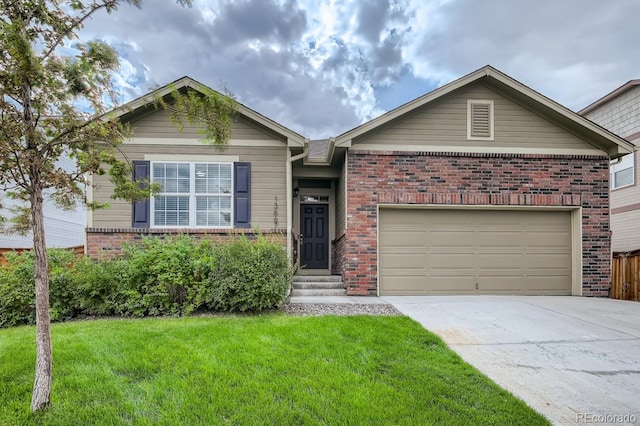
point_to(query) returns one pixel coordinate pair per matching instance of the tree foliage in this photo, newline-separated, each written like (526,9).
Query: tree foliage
(55,90)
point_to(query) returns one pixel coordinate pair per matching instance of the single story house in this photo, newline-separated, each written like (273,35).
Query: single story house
(619,112)
(483,186)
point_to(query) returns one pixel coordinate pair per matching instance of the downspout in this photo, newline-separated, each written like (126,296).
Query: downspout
(290,160)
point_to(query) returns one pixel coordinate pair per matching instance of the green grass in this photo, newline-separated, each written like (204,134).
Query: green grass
(271,369)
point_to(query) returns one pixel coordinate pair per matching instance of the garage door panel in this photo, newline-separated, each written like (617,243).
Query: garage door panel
(402,239)
(441,238)
(451,260)
(451,284)
(452,251)
(548,261)
(401,261)
(407,285)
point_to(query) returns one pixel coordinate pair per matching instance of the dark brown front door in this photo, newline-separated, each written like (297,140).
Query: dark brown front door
(314,241)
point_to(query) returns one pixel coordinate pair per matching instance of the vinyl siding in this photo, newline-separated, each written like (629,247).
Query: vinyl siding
(620,115)
(625,232)
(444,123)
(630,194)
(268,181)
(63,228)
(158,125)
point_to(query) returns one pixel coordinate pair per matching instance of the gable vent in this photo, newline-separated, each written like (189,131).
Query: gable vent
(479,120)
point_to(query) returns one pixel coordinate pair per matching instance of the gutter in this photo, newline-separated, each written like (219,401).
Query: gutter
(290,160)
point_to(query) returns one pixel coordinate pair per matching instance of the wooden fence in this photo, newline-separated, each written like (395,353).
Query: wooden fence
(625,276)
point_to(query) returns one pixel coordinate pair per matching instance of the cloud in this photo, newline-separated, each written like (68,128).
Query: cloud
(322,67)
(264,20)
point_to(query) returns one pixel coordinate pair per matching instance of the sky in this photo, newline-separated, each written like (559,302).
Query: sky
(322,67)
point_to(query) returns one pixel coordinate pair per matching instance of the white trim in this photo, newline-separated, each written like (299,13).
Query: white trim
(616,164)
(576,231)
(346,197)
(200,142)
(290,202)
(476,149)
(192,197)
(470,103)
(171,158)
(576,252)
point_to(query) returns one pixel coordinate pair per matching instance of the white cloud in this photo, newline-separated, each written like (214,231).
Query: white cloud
(324,66)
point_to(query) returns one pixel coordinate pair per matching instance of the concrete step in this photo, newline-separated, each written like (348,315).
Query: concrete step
(327,285)
(298,292)
(317,278)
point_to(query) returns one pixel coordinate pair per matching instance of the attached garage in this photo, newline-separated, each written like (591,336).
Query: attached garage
(474,251)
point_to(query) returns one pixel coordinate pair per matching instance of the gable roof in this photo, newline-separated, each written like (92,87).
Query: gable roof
(612,95)
(598,136)
(292,138)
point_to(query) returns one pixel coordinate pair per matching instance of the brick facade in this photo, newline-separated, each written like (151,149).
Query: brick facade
(376,177)
(106,243)
(338,256)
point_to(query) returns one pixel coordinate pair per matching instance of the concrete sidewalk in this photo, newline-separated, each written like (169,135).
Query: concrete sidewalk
(573,359)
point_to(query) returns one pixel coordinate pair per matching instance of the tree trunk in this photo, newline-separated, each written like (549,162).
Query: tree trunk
(44,354)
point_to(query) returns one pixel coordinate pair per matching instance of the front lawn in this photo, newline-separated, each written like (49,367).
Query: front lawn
(271,369)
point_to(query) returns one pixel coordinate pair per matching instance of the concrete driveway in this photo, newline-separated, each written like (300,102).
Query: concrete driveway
(573,359)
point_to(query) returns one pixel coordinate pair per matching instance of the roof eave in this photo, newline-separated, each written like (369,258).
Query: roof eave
(604,139)
(292,138)
(609,96)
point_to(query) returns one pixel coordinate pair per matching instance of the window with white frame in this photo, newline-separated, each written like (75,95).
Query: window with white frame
(622,172)
(192,194)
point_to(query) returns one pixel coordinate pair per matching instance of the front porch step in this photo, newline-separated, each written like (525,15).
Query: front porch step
(318,285)
(317,278)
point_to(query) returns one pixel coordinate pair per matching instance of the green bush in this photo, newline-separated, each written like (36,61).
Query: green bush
(99,286)
(250,276)
(163,276)
(174,276)
(17,287)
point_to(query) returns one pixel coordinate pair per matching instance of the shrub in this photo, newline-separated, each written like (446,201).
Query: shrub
(17,287)
(250,276)
(175,276)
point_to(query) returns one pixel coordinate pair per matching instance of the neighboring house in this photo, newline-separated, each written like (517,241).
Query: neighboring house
(482,186)
(619,112)
(63,228)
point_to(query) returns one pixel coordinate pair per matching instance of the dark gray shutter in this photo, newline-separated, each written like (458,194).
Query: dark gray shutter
(242,195)
(140,213)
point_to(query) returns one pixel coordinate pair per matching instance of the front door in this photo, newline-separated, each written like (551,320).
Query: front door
(314,238)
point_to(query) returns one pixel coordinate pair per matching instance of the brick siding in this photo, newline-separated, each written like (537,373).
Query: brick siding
(376,177)
(338,258)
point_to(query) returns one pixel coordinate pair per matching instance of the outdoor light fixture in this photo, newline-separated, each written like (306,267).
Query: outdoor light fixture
(296,191)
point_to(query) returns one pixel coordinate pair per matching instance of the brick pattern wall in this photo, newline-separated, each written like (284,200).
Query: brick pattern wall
(376,177)
(337,259)
(106,243)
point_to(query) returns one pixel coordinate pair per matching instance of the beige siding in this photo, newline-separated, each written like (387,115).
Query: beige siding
(630,194)
(444,123)
(158,125)
(341,193)
(268,181)
(474,252)
(620,115)
(625,232)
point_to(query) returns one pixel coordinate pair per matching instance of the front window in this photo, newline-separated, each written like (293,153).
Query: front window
(622,172)
(192,195)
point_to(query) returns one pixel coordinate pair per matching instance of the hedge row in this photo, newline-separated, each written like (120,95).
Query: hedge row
(158,277)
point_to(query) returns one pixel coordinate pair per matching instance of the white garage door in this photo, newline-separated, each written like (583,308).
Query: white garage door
(474,252)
